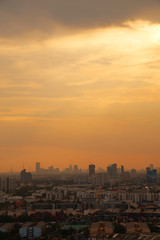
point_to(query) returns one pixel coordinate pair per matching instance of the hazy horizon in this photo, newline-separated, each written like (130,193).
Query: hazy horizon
(80,168)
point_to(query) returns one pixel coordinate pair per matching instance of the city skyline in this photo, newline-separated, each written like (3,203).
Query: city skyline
(52,169)
(79,83)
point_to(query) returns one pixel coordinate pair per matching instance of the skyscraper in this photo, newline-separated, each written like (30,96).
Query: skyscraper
(7,184)
(122,171)
(151,176)
(109,171)
(114,170)
(38,167)
(26,177)
(91,170)
(151,166)
(75,169)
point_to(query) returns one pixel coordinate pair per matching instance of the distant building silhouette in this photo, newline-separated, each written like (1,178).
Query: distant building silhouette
(91,170)
(75,169)
(133,172)
(101,178)
(7,184)
(112,170)
(122,171)
(151,176)
(151,166)
(109,171)
(38,167)
(26,177)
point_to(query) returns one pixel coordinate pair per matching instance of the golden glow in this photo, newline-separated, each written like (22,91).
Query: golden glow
(140,34)
(86,97)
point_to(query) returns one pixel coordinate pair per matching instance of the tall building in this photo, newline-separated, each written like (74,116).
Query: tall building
(133,172)
(101,178)
(75,169)
(114,170)
(50,170)
(151,176)
(109,171)
(38,167)
(70,168)
(122,171)
(151,166)
(91,170)
(7,184)
(26,177)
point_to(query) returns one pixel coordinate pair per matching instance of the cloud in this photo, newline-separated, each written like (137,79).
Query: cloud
(41,18)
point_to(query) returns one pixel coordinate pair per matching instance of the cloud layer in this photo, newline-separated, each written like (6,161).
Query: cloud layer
(44,17)
(90,90)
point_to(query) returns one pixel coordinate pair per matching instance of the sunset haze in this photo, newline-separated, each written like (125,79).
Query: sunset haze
(79,83)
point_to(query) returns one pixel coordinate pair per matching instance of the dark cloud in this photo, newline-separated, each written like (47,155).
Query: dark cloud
(41,17)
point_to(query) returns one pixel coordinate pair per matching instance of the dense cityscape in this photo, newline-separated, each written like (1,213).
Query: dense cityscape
(80,204)
(80,120)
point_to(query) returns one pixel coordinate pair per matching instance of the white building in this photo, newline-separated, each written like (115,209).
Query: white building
(31,230)
(138,196)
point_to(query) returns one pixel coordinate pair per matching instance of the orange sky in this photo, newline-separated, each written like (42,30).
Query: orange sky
(78,91)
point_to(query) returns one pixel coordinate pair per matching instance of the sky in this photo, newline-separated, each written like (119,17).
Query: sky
(79,83)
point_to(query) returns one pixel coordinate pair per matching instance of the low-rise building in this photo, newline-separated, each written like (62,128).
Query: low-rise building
(100,229)
(137,227)
(6,227)
(31,230)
